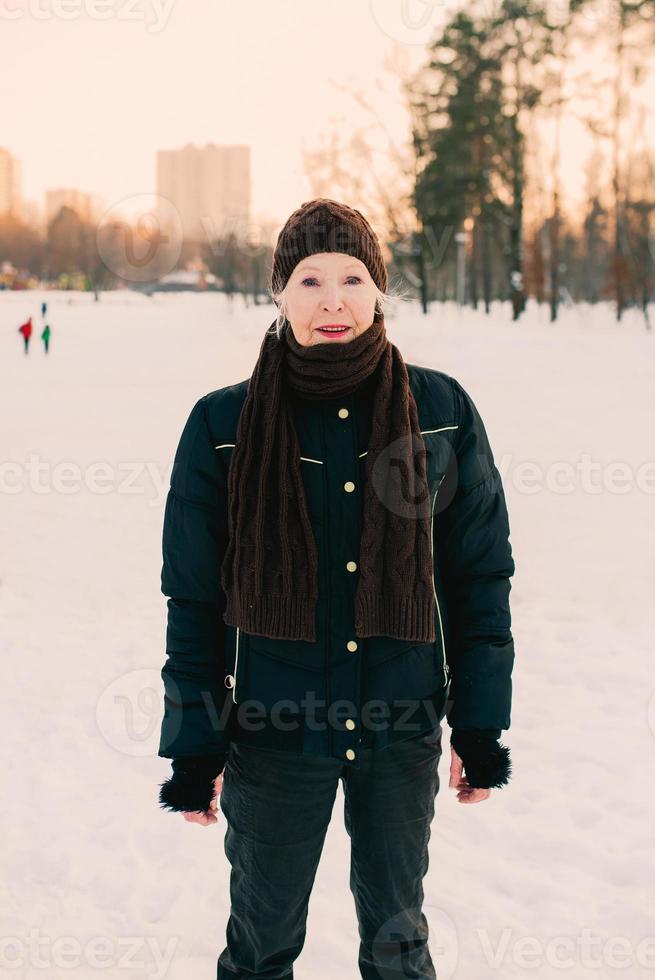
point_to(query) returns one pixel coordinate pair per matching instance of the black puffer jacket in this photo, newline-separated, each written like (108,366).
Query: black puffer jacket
(341,693)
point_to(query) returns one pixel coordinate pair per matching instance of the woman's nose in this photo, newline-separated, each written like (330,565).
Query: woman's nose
(332,300)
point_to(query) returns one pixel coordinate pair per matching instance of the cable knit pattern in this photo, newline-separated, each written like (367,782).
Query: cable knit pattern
(270,570)
(324,225)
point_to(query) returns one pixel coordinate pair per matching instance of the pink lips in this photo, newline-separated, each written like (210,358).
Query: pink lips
(333,333)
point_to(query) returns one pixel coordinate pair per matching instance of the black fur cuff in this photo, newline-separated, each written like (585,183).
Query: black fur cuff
(191,787)
(486,762)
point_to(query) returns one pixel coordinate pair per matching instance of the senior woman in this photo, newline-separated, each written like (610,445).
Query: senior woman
(336,553)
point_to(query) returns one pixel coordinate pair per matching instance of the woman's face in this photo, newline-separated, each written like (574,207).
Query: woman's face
(329,289)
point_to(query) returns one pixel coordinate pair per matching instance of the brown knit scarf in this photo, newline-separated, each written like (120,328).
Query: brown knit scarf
(270,570)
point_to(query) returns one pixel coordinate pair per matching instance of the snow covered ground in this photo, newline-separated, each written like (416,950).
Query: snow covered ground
(552,875)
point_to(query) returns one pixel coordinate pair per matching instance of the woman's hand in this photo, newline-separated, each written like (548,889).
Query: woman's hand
(209,816)
(193,787)
(458,781)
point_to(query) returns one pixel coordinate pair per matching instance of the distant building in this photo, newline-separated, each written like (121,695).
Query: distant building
(10,180)
(85,205)
(209,187)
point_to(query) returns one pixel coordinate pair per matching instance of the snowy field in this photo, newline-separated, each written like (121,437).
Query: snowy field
(552,876)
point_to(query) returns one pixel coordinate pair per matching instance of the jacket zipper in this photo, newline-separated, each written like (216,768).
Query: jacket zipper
(236,664)
(328,565)
(446,669)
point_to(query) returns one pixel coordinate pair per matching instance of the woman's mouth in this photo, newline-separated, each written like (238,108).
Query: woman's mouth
(333,330)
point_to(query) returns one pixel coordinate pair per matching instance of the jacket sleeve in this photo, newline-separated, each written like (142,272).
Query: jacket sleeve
(475,564)
(193,544)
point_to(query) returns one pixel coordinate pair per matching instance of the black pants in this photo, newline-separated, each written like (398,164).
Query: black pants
(278,806)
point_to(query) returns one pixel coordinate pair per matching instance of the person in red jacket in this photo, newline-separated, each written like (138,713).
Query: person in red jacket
(26,330)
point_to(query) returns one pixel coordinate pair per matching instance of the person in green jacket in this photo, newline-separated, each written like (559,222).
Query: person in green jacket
(45,337)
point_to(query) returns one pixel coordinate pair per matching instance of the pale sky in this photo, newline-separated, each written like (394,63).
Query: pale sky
(86,102)
(90,89)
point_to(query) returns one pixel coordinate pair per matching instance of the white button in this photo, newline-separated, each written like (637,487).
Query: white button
(350,724)
(349,486)
(351,566)
(343,413)
(350,753)
(352,645)
(229,680)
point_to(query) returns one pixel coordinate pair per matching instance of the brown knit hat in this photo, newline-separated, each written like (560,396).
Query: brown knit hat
(323,225)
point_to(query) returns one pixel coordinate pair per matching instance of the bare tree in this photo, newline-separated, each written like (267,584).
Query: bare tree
(351,171)
(629,24)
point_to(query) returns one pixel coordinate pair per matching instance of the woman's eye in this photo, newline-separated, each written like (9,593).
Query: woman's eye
(312,279)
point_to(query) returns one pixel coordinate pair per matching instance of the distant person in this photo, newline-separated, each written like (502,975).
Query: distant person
(26,330)
(44,308)
(45,336)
